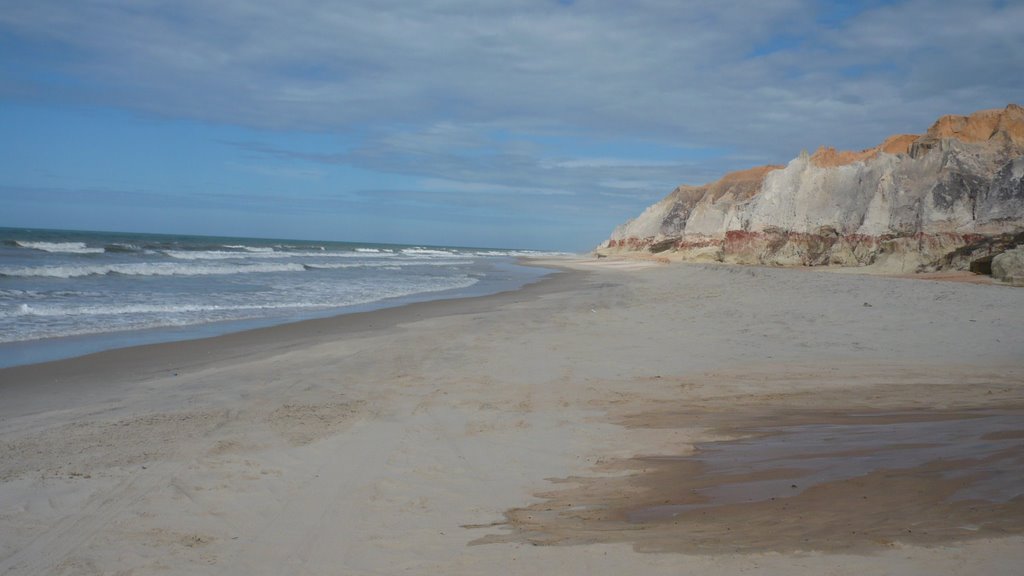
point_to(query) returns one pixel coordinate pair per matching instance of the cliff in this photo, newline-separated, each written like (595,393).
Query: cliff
(941,200)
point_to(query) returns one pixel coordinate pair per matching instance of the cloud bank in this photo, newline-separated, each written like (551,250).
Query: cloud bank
(524,97)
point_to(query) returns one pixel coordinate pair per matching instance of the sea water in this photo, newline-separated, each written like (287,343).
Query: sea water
(65,293)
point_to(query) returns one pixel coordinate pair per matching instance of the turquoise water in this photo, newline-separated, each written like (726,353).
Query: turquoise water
(64,293)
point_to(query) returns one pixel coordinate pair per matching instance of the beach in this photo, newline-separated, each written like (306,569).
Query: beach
(616,417)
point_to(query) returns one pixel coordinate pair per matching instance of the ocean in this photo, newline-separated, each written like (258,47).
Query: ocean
(67,293)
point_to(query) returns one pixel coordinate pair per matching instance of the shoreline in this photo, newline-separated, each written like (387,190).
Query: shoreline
(75,346)
(532,431)
(148,360)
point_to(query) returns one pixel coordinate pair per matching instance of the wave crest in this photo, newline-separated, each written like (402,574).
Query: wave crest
(63,247)
(147,269)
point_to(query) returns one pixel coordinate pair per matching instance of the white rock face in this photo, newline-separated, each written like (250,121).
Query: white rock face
(1009,266)
(959,184)
(803,197)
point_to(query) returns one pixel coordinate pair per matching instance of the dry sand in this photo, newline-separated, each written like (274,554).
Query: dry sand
(640,419)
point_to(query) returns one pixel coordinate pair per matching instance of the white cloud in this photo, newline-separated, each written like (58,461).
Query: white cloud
(609,163)
(431,82)
(440,184)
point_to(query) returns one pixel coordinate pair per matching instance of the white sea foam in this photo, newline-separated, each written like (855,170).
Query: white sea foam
(60,320)
(110,310)
(65,247)
(327,266)
(361,297)
(120,247)
(428,252)
(54,289)
(146,269)
(221,254)
(237,255)
(431,263)
(203,269)
(249,248)
(18,295)
(388,265)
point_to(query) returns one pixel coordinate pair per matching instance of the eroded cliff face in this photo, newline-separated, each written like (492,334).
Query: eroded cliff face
(935,201)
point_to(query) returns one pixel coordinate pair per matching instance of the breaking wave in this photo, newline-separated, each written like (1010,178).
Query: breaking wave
(59,247)
(146,269)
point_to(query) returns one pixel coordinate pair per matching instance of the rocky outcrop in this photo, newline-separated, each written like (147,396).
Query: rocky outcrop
(904,205)
(1009,266)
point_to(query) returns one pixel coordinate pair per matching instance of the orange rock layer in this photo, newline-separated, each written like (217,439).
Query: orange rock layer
(1005,124)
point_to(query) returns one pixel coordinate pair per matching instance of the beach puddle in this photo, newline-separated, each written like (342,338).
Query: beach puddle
(784,461)
(802,481)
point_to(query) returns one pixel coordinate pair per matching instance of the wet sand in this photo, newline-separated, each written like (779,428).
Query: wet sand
(640,418)
(799,481)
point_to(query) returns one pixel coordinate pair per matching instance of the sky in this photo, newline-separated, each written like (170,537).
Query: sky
(536,124)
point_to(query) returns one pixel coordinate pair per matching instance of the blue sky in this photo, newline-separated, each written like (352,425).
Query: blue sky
(521,123)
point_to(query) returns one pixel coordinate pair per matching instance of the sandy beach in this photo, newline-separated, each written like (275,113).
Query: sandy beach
(615,418)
